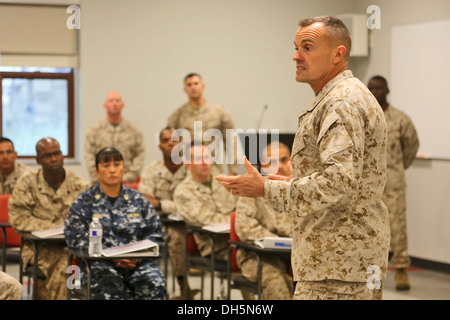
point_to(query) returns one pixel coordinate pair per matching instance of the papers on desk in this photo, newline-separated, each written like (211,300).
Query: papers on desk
(175,216)
(144,248)
(218,228)
(274,243)
(57,232)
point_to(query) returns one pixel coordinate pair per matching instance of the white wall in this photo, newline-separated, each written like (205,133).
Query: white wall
(428,199)
(243,50)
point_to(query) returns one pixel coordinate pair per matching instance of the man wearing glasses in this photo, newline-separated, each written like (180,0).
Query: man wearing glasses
(41,200)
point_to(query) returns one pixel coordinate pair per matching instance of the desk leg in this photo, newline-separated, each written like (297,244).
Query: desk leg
(259,277)
(35,270)
(4,250)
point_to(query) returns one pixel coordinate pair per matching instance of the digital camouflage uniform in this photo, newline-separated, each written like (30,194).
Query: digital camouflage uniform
(341,225)
(255,219)
(200,206)
(132,218)
(10,288)
(212,116)
(35,205)
(7,185)
(158,182)
(402,147)
(125,137)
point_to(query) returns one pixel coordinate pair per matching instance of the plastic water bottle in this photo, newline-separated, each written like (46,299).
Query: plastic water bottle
(95,238)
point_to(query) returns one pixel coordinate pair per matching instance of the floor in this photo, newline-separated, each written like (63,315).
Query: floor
(425,285)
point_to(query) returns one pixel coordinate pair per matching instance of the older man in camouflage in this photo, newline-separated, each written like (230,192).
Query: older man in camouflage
(117,132)
(10,169)
(341,225)
(255,219)
(40,201)
(403,144)
(126,217)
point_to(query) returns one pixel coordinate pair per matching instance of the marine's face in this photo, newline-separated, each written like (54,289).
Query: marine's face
(8,156)
(193,87)
(166,144)
(50,157)
(113,103)
(313,55)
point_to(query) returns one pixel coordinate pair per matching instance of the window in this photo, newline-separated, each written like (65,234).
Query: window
(37,103)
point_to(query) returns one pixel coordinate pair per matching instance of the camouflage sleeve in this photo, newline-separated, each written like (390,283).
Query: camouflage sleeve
(76,226)
(340,147)
(247,226)
(146,185)
(409,142)
(21,205)
(137,160)
(153,229)
(89,154)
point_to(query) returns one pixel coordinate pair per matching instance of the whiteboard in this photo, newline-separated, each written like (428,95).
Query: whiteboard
(420,82)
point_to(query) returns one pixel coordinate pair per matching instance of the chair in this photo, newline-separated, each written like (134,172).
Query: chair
(10,239)
(133,185)
(240,282)
(205,264)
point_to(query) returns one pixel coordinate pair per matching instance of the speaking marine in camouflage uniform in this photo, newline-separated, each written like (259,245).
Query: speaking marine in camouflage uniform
(126,216)
(340,223)
(403,144)
(202,201)
(209,114)
(255,219)
(10,169)
(117,132)
(40,201)
(158,182)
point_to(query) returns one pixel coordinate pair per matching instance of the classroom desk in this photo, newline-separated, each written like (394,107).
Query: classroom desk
(4,224)
(260,252)
(205,263)
(84,256)
(35,241)
(167,221)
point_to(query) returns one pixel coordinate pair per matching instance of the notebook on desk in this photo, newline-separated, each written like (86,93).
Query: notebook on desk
(274,242)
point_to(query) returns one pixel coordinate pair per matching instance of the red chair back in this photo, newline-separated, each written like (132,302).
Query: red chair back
(12,238)
(233,237)
(192,245)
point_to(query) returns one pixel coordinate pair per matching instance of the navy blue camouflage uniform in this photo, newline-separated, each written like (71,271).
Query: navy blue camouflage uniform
(131,218)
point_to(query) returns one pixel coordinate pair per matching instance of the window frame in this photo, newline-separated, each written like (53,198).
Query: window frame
(69,76)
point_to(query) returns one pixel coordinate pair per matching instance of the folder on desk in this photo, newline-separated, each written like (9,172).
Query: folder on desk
(143,247)
(274,242)
(57,232)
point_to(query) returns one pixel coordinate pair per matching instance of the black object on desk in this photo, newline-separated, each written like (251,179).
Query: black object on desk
(35,272)
(84,256)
